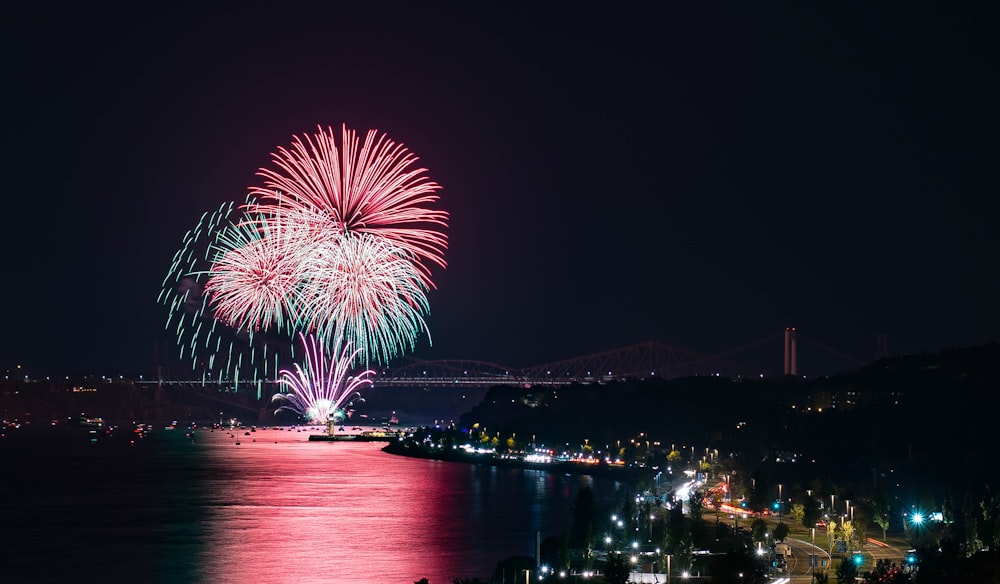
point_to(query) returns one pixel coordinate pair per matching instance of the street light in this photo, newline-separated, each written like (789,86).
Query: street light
(780,503)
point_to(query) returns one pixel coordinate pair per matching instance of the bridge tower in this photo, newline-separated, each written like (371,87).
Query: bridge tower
(881,346)
(791,352)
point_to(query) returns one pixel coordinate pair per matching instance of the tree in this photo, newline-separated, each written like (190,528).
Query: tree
(627,509)
(757,490)
(684,552)
(847,531)
(677,539)
(810,513)
(584,512)
(798,513)
(780,532)
(555,551)
(677,528)
(989,526)
(847,571)
(588,549)
(696,504)
(971,524)
(616,569)
(948,532)
(881,518)
(736,567)
(886,572)
(758,527)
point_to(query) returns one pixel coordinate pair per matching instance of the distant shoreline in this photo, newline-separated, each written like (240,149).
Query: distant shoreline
(567,467)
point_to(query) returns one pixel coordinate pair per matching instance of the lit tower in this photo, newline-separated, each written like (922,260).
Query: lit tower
(881,346)
(791,359)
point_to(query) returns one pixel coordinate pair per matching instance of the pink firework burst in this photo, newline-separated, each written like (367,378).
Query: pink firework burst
(368,186)
(319,389)
(368,292)
(258,271)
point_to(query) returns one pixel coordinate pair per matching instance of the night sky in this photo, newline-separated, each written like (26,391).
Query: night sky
(702,176)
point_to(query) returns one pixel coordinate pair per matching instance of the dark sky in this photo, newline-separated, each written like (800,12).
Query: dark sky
(703,176)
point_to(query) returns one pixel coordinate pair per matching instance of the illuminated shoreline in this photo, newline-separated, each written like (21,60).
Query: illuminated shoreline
(599,468)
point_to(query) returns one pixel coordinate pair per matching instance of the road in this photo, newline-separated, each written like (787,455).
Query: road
(799,572)
(798,565)
(878,550)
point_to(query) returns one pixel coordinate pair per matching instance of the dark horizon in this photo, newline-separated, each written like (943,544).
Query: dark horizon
(699,176)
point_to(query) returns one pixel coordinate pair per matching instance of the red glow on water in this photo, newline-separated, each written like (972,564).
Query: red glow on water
(266,505)
(306,508)
(340,512)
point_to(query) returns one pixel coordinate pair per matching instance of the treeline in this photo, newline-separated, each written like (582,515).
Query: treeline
(928,417)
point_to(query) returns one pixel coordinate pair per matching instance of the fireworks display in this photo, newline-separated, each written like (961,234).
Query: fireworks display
(364,187)
(336,246)
(318,390)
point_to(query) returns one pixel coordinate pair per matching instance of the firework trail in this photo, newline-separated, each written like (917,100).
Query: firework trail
(364,187)
(217,352)
(320,389)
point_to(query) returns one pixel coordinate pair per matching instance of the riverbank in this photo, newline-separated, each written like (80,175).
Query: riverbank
(604,470)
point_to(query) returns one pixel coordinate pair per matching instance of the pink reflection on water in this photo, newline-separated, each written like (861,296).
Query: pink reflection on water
(299,511)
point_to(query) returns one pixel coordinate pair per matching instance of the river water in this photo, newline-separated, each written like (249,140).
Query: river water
(275,508)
